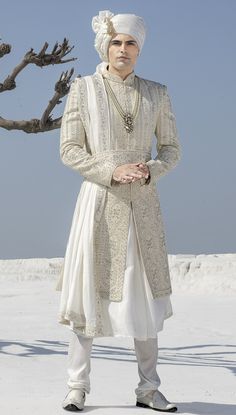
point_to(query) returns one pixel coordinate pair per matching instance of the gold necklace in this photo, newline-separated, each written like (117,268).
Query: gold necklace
(127,117)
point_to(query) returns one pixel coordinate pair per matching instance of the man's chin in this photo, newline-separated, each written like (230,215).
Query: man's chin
(122,64)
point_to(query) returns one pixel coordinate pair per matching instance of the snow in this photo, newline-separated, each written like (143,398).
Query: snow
(191,273)
(204,273)
(196,348)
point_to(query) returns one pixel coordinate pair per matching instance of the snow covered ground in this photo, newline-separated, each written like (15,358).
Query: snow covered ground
(197,348)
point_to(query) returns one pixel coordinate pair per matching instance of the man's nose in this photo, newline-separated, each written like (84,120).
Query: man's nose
(123,47)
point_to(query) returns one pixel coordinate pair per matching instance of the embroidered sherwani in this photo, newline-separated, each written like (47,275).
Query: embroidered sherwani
(109,214)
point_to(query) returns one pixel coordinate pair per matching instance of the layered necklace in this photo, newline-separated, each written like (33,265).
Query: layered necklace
(128,118)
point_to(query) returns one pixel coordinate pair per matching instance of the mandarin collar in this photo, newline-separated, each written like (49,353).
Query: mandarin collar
(115,78)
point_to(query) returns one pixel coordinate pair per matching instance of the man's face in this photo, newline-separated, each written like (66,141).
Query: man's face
(122,53)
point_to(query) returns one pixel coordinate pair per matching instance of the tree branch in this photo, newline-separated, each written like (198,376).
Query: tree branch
(53,58)
(4,49)
(47,123)
(31,126)
(61,89)
(41,59)
(62,86)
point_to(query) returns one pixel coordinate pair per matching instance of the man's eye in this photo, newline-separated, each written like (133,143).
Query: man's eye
(115,42)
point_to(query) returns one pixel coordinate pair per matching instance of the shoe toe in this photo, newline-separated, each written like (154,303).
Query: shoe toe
(171,407)
(161,403)
(74,401)
(72,408)
(157,402)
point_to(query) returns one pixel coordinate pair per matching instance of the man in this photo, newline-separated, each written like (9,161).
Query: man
(116,277)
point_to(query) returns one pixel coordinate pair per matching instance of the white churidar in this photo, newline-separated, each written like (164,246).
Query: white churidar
(79,364)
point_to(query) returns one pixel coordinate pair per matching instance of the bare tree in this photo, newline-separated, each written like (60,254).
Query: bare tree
(62,86)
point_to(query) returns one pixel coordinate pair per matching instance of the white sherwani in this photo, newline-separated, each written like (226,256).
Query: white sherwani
(116,277)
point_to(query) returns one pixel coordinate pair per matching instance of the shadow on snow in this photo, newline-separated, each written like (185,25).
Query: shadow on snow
(196,408)
(211,355)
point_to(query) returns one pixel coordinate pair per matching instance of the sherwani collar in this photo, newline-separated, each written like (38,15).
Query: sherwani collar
(102,69)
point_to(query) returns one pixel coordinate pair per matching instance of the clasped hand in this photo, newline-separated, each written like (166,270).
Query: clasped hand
(129,173)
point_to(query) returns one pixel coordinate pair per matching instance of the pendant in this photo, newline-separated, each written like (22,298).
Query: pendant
(129,122)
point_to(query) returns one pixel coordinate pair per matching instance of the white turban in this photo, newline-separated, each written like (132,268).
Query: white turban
(106,25)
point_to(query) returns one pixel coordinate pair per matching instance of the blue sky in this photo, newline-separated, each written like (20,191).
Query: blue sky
(190,47)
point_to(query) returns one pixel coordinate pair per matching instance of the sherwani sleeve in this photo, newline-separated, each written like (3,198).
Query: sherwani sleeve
(168,148)
(96,168)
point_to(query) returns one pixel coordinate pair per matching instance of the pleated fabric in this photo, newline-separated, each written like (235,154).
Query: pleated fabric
(138,315)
